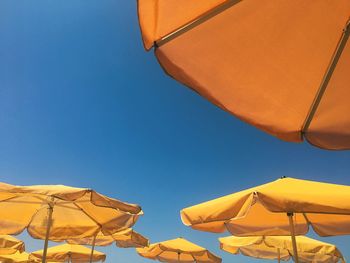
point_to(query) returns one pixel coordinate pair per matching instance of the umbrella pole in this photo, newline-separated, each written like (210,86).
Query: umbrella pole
(279,255)
(93,248)
(294,242)
(48,227)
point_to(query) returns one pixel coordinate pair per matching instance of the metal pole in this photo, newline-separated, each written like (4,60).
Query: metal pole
(93,248)
(197,21)
(292,233)
(48,227)
(327,77)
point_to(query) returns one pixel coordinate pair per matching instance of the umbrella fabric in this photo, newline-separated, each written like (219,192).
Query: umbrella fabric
(16,258)
(178,250)
(278,65)
(280,247)
(123,239)
(77,212)
(10,245)
(68,253)
(262,210)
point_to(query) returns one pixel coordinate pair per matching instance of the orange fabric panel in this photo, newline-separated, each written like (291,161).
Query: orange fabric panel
(161,17)
(263,61)
(330,127)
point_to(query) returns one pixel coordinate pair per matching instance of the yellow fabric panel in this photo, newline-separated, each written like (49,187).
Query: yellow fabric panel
(67,221)
(104,201)
(16,214)
(219,210)
(326,207)
(295,195)
(264,253)
(110,219)
(65,252)
(260,221)
(270,247)
(254,250)
(330,127)
(17,258)
(77,212)
(68,193)
(330,225)
(177,250)
(124,239)
(131,239)
(10,245)
(161,17)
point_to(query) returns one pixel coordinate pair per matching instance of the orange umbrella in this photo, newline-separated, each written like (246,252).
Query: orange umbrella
(278,65)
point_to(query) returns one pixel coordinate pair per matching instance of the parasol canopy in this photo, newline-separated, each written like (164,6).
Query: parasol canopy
(178,250)
(281,248)
(278,65)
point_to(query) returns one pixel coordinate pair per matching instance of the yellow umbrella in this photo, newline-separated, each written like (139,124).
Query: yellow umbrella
(124,239)
(68,253)
(10,245)
(280,247)
(178,250)
(284,207)
(62,212)
(278,65)
(16,258)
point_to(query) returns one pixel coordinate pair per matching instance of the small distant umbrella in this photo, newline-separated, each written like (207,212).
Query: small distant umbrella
(284,207)
(281,248)
(178,250)
(17,258)
(68,253)
(10,245)
(124,239)
(62,212)
(278,65)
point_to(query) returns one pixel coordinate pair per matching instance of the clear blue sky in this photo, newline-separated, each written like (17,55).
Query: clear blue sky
(82,104)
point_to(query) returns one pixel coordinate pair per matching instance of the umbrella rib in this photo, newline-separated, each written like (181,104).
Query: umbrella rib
(10,200)
(196,22)
(158,256)
(38,195)
(327,77)
(97,223)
